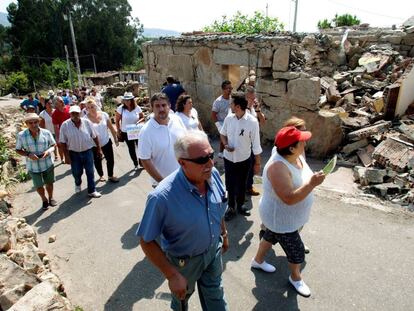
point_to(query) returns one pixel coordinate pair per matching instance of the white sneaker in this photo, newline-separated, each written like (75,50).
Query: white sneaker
(220,155)
(95,194)
(300,287)
(78,189)
(266,267)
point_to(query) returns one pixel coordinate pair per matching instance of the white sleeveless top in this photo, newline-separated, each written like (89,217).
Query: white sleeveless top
(274,213)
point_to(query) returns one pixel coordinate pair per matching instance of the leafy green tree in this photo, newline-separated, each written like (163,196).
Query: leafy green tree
(338,21)
(244,24)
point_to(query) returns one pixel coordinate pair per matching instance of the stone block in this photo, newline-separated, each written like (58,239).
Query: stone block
(5,242)
(327,133)
(304,92)
(32,261)
(231,57)
(181,66)
(285,75)
(281,58)
(203,56)
(271,87)
(263,72)
(265,58)
(355,146)
(11,276)
(408,39)
(42,297)
(188,50)
(411,54)
(274,103)
(393,39)
(9,297)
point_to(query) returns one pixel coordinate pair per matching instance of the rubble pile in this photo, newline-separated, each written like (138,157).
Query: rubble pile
(26,280)
(363,89)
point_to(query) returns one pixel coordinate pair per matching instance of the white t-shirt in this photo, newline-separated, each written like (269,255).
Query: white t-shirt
(128,117)
(48,121)
(156,143)
(101,128)
(243,135)
(191,123)
(222,107)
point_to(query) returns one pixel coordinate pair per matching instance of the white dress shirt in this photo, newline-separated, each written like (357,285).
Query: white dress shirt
(243,135)
(77,139)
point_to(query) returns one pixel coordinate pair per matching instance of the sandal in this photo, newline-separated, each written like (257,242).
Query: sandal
(45,205)
(101,179)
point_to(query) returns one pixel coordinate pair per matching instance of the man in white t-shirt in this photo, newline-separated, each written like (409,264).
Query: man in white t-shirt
(221,107)
(157,138)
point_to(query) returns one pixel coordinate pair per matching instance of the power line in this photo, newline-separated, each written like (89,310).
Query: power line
(365,11)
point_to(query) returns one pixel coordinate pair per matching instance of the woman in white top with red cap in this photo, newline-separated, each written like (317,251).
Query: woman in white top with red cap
(285,206)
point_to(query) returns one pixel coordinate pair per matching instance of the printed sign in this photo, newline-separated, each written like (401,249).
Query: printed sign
(133,130)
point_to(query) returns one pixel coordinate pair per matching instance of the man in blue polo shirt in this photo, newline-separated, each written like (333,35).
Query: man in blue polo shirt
(29,101)
(186,211)
(172,90)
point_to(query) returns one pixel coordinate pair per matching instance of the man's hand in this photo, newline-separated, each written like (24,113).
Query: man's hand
(256,168)
(225,245)
(228,148)
(178,285)
(99,152)
(32,156)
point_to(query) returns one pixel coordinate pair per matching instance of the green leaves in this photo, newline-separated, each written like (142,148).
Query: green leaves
(244,24)
(339,21)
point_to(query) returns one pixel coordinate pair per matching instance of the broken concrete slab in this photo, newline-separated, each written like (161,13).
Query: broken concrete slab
(367,176)
(365,155)
(354,146)
(304,92)
(393,154)
(368,131)
(386,189)
(281,58)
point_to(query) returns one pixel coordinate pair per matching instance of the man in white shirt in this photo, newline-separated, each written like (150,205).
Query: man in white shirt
(157,138)
(77,138)
(240,136)
(221,107)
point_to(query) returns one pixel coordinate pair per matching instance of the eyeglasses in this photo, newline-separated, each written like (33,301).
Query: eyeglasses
(202,160)
(32,122)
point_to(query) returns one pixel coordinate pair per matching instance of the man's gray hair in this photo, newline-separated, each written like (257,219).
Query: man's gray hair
(56,98)
(182,144)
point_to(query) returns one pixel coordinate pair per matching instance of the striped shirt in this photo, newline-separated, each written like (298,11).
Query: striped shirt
(37,145)
(77,139)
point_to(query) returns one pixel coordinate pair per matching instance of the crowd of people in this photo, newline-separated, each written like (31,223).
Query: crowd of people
(183,229)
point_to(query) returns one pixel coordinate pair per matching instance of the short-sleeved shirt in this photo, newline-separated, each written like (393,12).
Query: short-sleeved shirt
(191,122)
(128,117)
(58,117)
(77,139)
(173,91)
(27,102)
(156,143)
(188,222)
(101,128)
(48,121)
(243,135)
(38,146)
(222,107)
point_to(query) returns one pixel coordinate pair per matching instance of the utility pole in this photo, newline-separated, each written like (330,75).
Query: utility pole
(75,50)
(94,64)
(68,65)
(296,15)
(267,9)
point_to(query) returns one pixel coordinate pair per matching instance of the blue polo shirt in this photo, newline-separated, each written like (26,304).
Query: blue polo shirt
(187,222)
(173,91)
(27,102)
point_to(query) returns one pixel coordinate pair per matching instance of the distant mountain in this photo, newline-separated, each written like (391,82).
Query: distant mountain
(3,19)
(156,32)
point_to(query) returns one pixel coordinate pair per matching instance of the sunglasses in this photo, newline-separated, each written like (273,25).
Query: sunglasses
(202,160)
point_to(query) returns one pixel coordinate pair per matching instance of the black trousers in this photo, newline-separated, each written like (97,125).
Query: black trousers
(251,172)
(132,144)
(108,152)
(236,177)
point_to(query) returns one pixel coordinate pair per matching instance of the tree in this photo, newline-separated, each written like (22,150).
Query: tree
(338,21)
(103,27)
(244,24)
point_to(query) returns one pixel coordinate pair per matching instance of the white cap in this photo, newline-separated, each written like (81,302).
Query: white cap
(74,108)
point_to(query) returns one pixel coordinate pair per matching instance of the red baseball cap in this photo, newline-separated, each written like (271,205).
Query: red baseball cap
(289,135)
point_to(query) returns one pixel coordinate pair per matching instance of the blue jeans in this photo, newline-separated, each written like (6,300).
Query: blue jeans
(205,270)
(79,161)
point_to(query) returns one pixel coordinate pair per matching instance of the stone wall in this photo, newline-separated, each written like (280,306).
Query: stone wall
(288,70)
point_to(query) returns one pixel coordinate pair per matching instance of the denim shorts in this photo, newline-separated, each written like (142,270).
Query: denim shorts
(290,242)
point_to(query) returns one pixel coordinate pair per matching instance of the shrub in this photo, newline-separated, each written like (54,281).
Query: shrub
(338,21)
(17,82)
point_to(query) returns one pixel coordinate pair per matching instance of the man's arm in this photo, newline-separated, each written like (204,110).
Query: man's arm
(176,282)
(66,153)
(214,116)
(225,237)
(151,170)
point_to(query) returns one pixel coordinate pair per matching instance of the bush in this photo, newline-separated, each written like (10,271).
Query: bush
(324,24)
(17,82)
(244,24)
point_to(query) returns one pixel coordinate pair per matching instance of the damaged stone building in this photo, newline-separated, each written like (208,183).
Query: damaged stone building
(327,79)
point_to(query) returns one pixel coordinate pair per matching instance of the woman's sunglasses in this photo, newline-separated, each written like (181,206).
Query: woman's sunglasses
(201,160)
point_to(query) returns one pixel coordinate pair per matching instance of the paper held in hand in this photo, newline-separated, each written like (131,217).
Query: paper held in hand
(133,130)
(330,166)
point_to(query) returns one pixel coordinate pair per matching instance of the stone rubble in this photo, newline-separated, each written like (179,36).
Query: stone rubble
(26,280)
